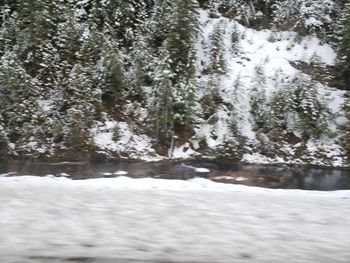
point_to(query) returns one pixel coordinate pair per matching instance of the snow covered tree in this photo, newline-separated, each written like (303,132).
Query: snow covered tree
(277,116)
(248,12)
(141,70)
(178,53)
(111,78)
(304,16)
(346,138)
(19,95)
(80,105)
(345,44)
(3,136)
(129,15)
(298,107)
(258,98)
(217,61)
(183,31)
(164,99)
(313,115)
(316,14)
(285,13)
(161,14)
(8,28)
(213,6)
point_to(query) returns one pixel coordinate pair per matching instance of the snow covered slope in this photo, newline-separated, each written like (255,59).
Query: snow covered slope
(257,81)
(259,65)
(148,220)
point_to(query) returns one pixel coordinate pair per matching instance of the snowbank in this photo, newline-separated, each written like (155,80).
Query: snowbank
(169,221)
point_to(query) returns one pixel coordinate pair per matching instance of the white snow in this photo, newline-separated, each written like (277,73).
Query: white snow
(64,175)
(202,170)
(120,173)
(182,152)
(273,52)
(241,178)
(127,141)
(150,220)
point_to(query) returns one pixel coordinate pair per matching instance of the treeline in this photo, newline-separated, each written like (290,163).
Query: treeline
(64,62)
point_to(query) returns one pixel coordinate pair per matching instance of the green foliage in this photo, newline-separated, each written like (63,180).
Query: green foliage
(258,98)
(116,133)
(164,99)
(180,39)
(64,62)
(19,94)
(76,130)
(81,105)
(297,107)
(57,131)
(346,137)
(173,78)
(345,45)
(111,79)
(217,61)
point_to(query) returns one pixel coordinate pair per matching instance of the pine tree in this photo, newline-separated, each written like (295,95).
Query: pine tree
(81,104)
(217,60)
(298,107)
(345,45)
(213,6)
(160,18)
(316,15)
(19,95)
(8,29)
(164,99)
(258,98)
(110,72)
(142,69)
(184,26)
(346,137)
(285,13)
(279,117)
(182,57)
(313,115)
(69,31)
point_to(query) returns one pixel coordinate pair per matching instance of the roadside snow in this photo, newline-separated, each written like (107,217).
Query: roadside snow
(169,221)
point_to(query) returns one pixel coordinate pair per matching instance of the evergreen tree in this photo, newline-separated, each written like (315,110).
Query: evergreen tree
(313,115)
(182,57)
(183,31)
(217,60)
(345,44)
(141,69)
(258,98)
(110,71)
(19,94)
(298,107)
(346,137)
(164,98)
(81,104)
(213,6)
(160,18)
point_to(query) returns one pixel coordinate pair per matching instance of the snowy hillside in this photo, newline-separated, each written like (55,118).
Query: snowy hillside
(259,67)
(257,81)
(257,63)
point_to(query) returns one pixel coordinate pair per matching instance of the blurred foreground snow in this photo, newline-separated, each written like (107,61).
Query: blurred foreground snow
(148,220)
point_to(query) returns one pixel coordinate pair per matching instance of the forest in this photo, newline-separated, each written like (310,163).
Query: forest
(255,80)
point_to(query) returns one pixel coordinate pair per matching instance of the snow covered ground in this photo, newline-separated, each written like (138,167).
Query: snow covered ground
(148,220)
